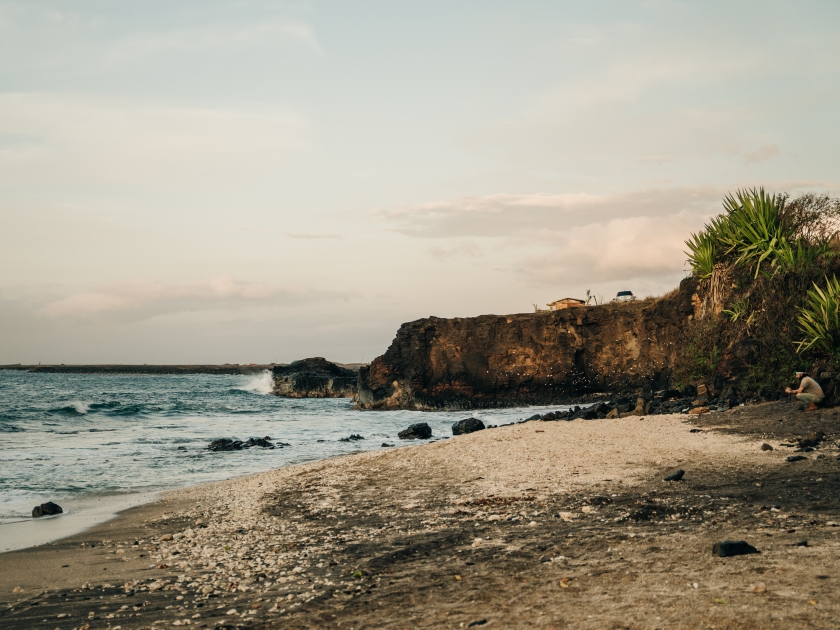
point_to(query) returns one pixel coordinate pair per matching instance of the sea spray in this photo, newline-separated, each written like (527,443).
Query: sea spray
(261,384)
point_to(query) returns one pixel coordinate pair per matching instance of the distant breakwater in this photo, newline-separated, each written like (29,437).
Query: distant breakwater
(141,369)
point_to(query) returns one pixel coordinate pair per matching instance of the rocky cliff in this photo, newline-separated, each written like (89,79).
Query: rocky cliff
(314,378)
(531,358)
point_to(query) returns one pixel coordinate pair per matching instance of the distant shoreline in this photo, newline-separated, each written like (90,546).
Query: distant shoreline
(227,368)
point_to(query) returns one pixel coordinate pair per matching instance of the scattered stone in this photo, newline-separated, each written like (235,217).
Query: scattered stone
(418,431)
(262,442)
(469,425)
(480,622)
(759,588)
(46,509)
(17,589)
(796,458)
(812,439)
(676,476)
(698,410)
(545,559)
(225,444)
(696,431)
(165,537)
(801,543)
(354,437)
(386,445)
(733,548)
(766,447)
(182,448)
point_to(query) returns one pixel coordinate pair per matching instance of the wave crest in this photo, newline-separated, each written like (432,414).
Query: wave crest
(262,384)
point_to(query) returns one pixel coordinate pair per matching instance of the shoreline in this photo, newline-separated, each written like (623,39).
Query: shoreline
(541,523)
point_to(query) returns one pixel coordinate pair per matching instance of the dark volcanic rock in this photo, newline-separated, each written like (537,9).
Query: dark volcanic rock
(528,358)
(419,431)
(227,444)
(676,476)
(353,438)
(263,442)
(733,548)
(46,509)
(796,458)
(469,425)
(314,378)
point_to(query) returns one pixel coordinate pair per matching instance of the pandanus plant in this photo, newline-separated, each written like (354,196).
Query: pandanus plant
(819,319)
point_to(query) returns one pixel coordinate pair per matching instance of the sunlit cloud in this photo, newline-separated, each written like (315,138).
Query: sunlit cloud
(143,300)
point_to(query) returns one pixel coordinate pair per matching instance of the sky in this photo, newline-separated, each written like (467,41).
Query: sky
(238,182)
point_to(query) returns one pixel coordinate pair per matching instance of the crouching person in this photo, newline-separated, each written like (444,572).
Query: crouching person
(809,391)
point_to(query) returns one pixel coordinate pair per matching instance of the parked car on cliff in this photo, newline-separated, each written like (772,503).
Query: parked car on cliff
(624,296)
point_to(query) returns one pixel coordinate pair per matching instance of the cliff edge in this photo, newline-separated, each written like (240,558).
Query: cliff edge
(530,358)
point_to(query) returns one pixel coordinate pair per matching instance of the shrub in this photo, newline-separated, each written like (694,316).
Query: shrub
(819,319)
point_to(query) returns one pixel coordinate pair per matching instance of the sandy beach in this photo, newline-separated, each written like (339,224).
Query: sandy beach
(540,524)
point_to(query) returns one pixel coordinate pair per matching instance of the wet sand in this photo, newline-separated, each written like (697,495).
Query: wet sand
(542,524)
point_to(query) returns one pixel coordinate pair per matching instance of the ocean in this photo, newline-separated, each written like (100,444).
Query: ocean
(69,438)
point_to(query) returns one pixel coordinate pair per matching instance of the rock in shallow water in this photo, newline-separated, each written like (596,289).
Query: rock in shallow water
(419,431)
(227,444)
(46,509)
(469,425)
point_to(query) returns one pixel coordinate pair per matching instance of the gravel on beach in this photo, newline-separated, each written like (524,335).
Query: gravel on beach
(549,524)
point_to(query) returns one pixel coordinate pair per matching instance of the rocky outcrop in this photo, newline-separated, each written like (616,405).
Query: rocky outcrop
(531,358)
(314,378)
(46,509)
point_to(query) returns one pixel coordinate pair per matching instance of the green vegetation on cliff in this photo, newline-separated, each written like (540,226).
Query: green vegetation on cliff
(769,300)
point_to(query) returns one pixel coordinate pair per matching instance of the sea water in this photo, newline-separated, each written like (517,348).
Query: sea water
(74,437)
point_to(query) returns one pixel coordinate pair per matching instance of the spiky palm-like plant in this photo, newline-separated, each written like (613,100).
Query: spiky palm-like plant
(819,319)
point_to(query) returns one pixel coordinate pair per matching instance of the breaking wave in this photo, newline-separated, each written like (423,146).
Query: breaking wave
(261,384)
(75,408)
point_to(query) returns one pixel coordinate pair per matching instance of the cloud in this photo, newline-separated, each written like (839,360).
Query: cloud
(466,249)
(144,300)
(76,140)
(312,235)
(618,249)
(526,216)
(205,38)
(761,154)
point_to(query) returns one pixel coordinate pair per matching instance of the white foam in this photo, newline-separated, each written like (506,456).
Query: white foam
(262,384)
(80,407)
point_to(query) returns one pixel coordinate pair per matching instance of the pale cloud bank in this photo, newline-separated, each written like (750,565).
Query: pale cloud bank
(143,300)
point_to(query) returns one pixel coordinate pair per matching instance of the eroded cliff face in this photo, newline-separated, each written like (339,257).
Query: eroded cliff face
(531,358)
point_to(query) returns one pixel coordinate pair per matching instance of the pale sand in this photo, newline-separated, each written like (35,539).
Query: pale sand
(284,545)
(79,516)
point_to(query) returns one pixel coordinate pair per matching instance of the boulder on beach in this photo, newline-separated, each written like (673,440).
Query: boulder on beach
(46,509)
(468,425)
(418,431)
(354,437)
(729,548)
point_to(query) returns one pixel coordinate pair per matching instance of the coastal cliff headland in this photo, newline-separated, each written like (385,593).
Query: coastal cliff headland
(529,358)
